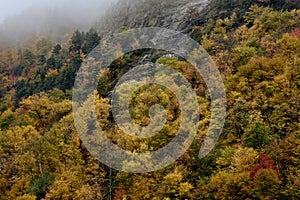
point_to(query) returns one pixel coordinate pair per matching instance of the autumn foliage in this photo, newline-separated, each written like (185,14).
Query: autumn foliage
(257,156)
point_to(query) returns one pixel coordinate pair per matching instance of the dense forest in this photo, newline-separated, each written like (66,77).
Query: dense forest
(257,50)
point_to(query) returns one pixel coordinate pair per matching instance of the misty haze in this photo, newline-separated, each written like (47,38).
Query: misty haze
(54,19)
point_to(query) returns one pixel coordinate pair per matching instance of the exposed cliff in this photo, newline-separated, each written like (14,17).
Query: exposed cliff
(177,14)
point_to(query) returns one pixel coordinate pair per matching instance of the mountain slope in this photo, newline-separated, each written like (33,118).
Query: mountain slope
(257,51)
(180,15)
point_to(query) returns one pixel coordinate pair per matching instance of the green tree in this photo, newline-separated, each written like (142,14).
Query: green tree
(258,136)
(39,187)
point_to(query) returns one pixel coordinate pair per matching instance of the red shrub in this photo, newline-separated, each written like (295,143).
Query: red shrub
(119,193)
(295,32)
(265,162)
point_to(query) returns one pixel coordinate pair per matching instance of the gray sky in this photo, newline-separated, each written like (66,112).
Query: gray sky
(20,19)
(13,7)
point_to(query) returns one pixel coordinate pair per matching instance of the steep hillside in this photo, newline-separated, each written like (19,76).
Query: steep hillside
(255,46)
(180,15)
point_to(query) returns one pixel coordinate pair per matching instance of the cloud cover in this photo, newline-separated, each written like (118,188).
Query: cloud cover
(53,18)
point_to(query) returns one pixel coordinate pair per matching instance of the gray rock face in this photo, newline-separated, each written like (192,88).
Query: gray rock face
(181,19)
(176,15)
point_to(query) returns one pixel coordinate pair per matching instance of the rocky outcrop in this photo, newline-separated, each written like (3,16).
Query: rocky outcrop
(176,15)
